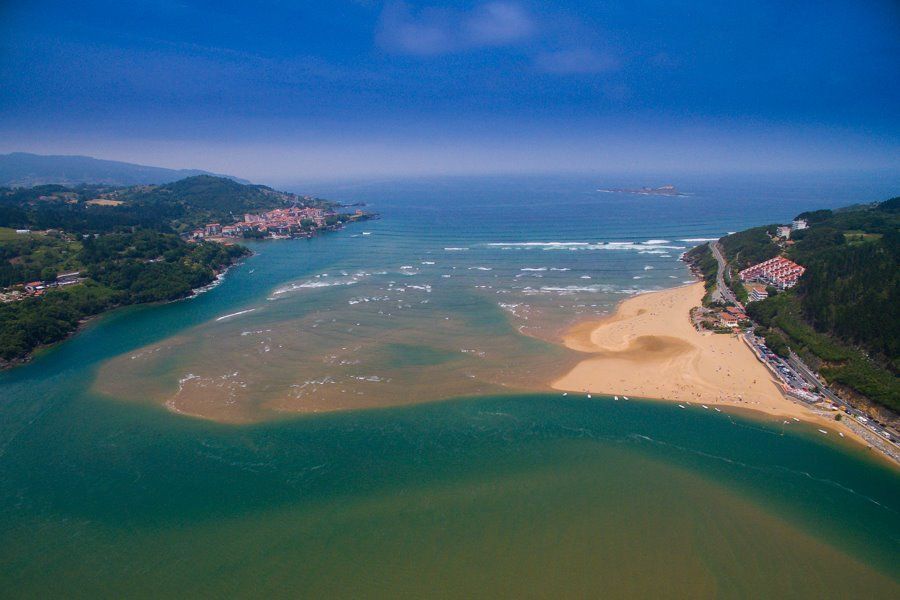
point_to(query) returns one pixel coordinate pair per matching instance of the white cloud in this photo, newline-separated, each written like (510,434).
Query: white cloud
(497,24)
(433,31)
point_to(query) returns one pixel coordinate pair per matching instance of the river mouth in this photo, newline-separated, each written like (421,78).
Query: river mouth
(381,323)
(487,496)
(482,496)
(268,364)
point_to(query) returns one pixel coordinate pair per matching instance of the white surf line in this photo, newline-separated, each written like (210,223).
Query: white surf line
(241,312)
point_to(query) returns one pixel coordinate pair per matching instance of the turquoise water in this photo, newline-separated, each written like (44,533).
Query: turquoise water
(503,493)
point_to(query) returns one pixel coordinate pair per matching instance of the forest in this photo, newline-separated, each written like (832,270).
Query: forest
(124,243)
(177,206)
(843,316)
(120,269)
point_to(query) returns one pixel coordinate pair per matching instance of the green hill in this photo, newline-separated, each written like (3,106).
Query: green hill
(203,198)
(843,316)
(175,206)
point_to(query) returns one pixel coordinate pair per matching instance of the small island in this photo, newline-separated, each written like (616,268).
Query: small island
(664,190)
(68,253)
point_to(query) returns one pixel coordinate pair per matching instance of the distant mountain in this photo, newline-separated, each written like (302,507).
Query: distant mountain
(21,169)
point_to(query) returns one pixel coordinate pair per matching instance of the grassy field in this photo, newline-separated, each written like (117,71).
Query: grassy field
(25,257)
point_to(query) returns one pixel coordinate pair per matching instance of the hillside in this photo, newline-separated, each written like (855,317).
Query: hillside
(204,198)
(67,253)
(843,316)
(114,269)
(22,169)
(175,206)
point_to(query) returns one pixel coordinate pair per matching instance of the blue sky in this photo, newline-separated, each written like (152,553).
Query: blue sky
(275,90)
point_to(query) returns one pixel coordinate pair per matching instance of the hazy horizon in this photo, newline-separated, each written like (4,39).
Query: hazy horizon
(369,89)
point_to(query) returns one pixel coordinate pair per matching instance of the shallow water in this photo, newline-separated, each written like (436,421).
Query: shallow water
(431,301)
(104,492)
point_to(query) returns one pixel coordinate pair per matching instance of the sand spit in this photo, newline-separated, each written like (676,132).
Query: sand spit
(650,349)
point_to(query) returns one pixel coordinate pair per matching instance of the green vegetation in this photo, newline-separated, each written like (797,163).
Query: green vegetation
(203,199)
(32,256)
(122,268)
(177,206)
(844,314)
(743,249)
(123,241)
(703,261)
(749,247)
(838,362)
(34,322)
(851,289)
(733,281)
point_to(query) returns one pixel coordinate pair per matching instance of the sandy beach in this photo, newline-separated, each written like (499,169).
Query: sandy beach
(650,349)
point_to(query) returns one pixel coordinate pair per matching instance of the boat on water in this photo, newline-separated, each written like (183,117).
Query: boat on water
(681,406)
(705,406)
(615,397)
(625,397)
(823,432)
(588,395)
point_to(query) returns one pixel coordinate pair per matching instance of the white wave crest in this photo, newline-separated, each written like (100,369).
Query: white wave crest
(314,284)
(569,289)
(655,246)
(240,312)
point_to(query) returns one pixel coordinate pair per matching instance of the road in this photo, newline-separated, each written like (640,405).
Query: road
(794,372)
(810,377)
(723,292)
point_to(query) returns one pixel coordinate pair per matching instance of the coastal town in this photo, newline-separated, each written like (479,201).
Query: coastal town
(280,223)
(296,221)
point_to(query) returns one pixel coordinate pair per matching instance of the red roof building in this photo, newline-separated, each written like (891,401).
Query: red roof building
(779,272)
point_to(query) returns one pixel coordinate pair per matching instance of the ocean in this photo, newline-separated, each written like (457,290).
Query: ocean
(366,414)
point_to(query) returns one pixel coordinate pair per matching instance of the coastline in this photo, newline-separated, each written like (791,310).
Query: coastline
(649,349)
(218,277)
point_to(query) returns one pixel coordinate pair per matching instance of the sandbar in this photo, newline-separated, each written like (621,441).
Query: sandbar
(650,349)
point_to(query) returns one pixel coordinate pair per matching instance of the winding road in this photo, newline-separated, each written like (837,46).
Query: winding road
(723,293)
